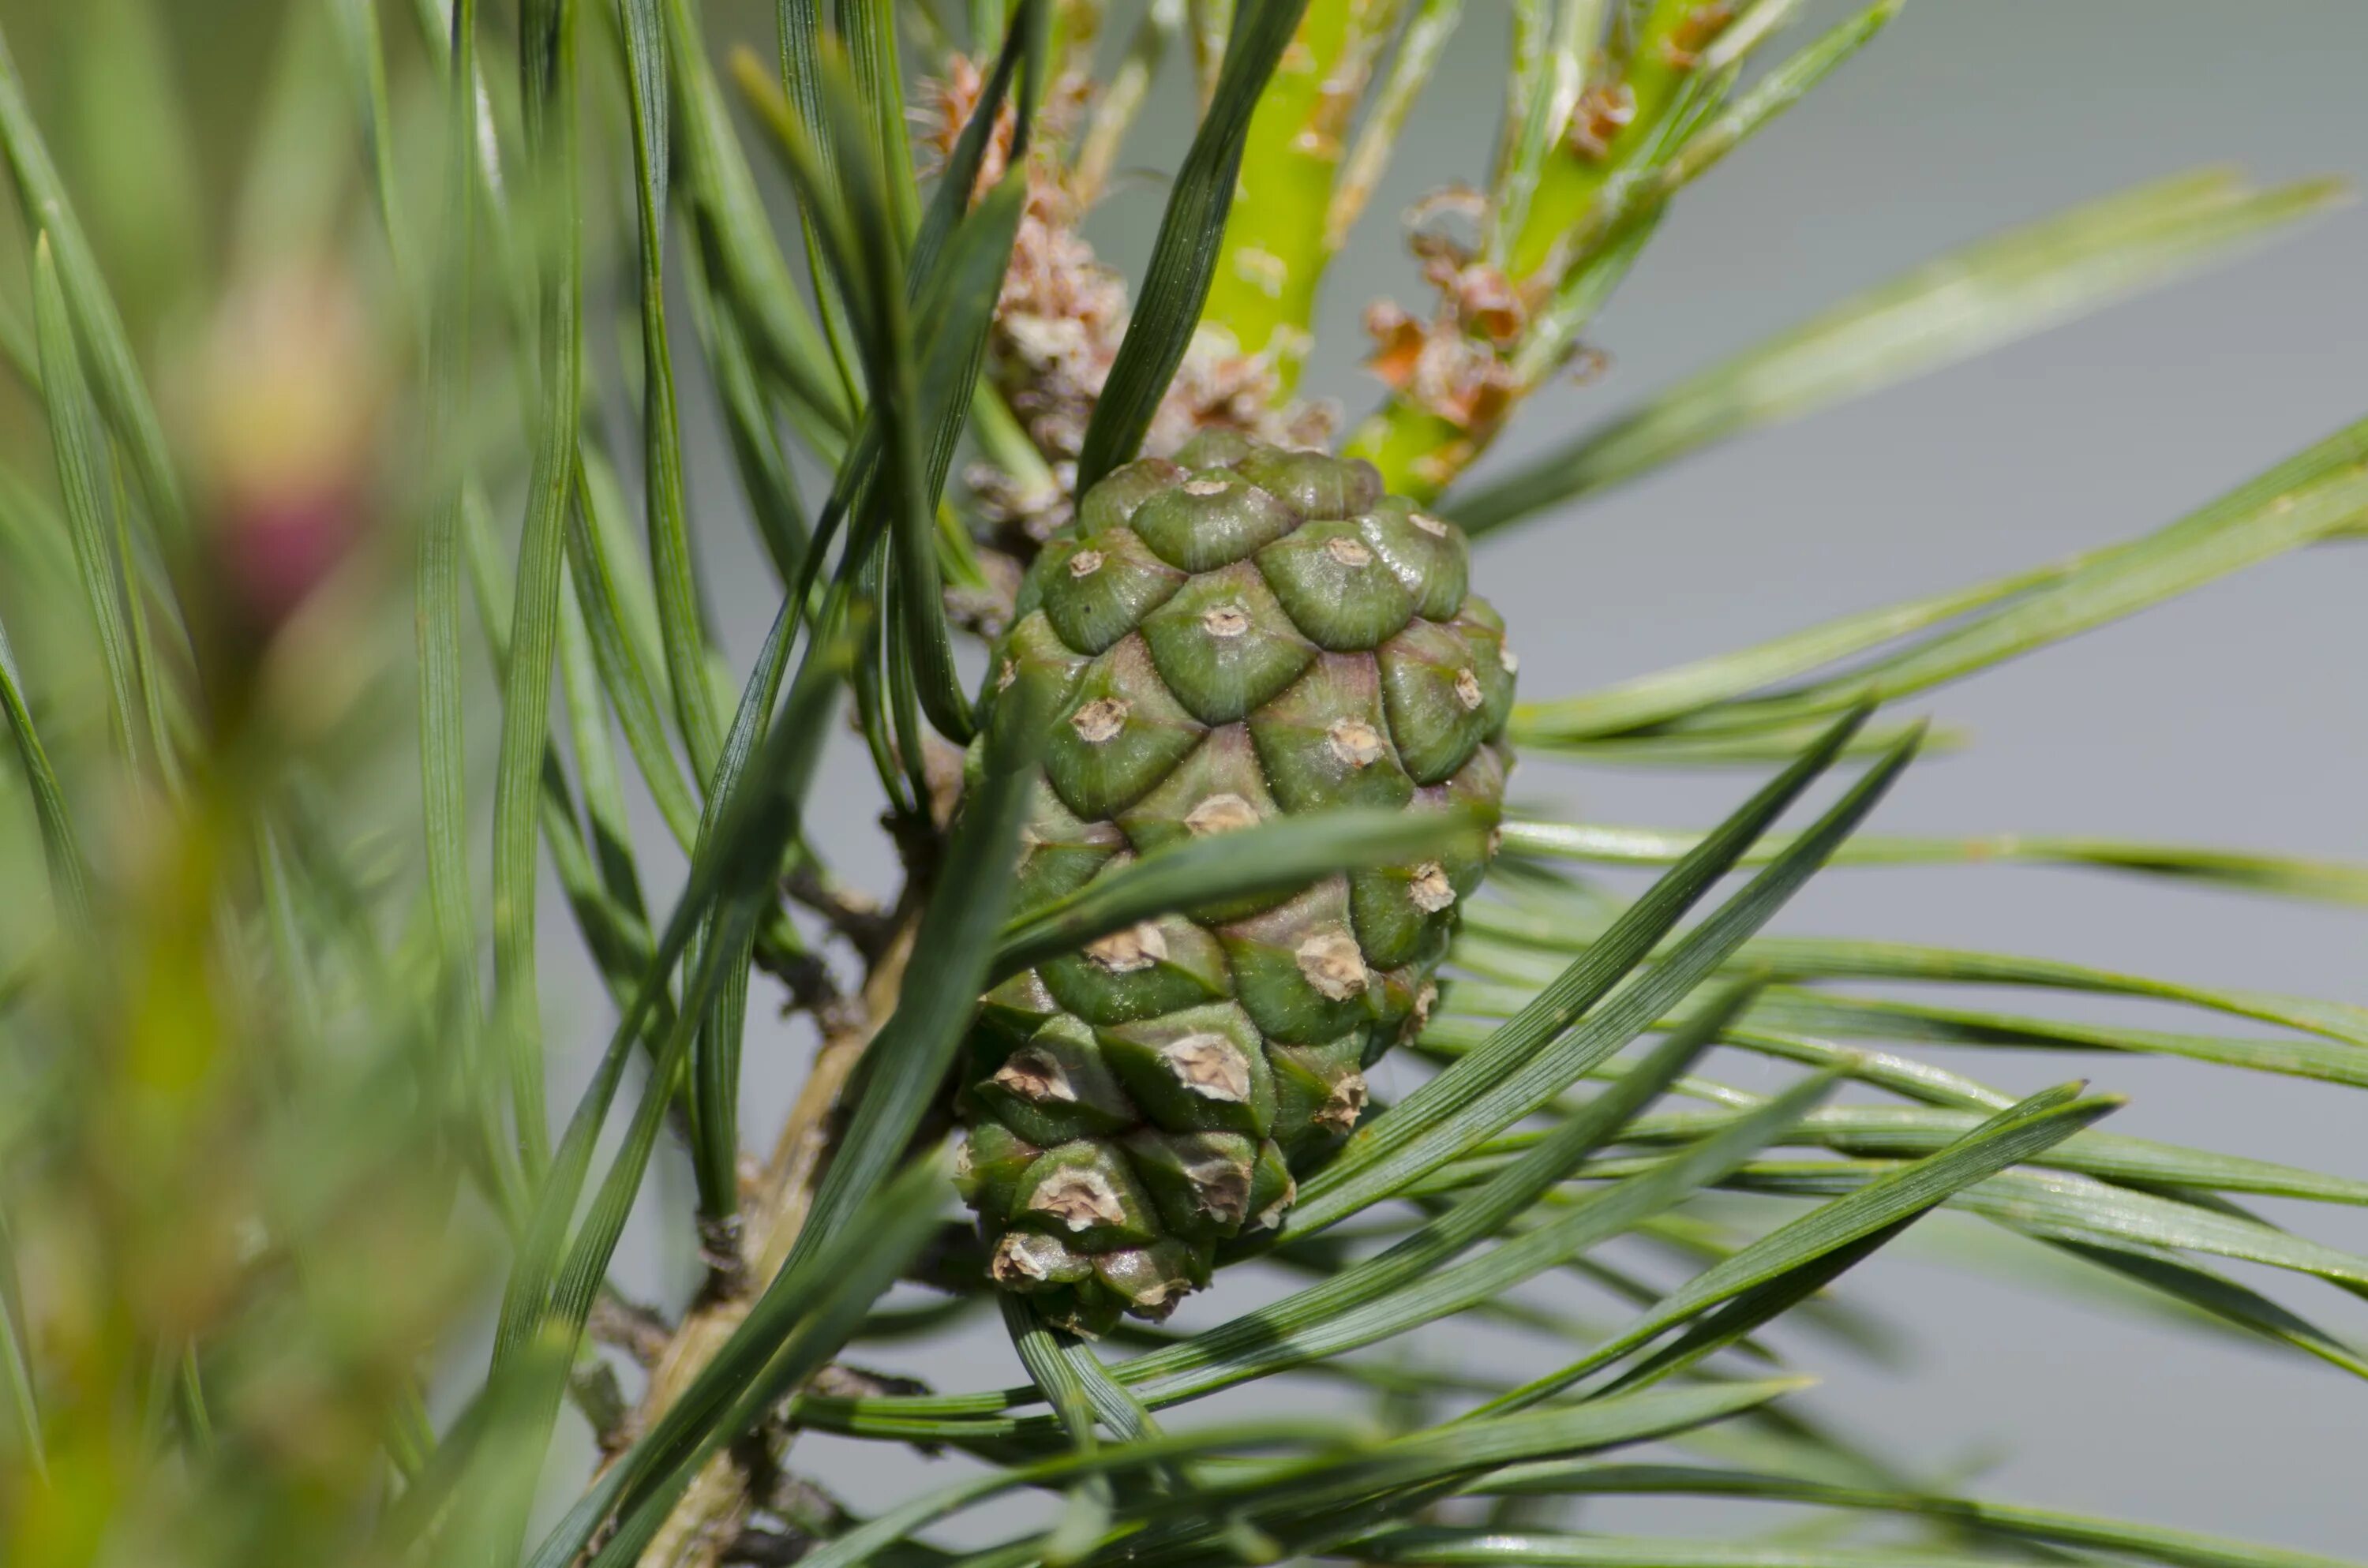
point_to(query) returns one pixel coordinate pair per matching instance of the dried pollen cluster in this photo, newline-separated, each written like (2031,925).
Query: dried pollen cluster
(1241,633)
(1060,319)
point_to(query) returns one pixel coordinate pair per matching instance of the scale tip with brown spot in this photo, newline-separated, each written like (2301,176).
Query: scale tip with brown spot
(1354,741)
(1037,1075)
(1333,964)
(1078,1198)
(1210,1066)
(1226,621)
(1344,1105)
(1026,1257)
(1223,812)
(1126,952)
(1270,1217)
(1099,720)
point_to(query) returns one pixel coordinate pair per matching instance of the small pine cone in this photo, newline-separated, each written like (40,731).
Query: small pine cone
(1240,633)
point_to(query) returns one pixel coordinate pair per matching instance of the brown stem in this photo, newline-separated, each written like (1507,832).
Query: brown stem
(639,1330)
(713,1512)
(851,913)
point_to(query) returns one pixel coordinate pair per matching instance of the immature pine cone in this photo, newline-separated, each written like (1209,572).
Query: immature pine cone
(1240,633)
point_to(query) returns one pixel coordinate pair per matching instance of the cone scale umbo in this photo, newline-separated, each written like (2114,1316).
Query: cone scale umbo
(1243,633)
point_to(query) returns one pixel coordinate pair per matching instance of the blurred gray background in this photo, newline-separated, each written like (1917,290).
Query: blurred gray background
(2232,717)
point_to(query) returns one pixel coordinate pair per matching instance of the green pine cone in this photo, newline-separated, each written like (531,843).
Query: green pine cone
(1242,632)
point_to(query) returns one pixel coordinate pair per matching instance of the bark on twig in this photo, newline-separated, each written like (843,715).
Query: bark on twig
(715,1513)
(641,1330)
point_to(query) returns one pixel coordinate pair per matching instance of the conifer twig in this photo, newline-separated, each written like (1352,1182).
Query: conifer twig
(713,1510)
